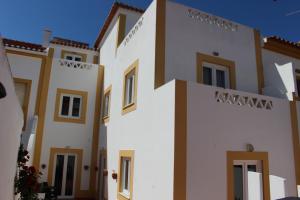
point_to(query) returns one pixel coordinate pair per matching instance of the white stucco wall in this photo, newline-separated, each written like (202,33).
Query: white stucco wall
(186,36)
(26,67)
(64,134)
(279,73)
(215,128)
(139,130)
(11,123)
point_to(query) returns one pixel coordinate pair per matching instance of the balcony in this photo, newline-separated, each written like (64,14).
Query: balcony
(75,64)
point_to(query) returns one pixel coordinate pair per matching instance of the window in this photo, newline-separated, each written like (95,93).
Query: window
(247,178)
(248,175)
(74,56)
(215,75)
(70,106)
(106,104)
(215,71)
(130,88)
(22,88)
(125,181)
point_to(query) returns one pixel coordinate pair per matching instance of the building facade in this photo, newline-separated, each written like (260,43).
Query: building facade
(171,103)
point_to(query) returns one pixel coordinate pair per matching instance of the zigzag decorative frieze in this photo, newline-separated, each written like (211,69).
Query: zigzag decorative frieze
(242,100)
(206,18)
(75,64)
(133,31)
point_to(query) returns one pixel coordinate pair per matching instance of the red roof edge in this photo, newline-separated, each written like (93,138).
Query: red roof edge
(110,17)
(23,45)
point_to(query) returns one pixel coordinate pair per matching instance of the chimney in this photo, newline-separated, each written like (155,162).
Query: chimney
(46,37)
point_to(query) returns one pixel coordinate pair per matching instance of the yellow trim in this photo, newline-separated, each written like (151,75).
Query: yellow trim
(96,59)
(236,155)
(295,136)
(160,38)
(121,29)
(125,154)
(259,62)
(79,153)
(131,107)
(21,53)
(25,105)
(201,58)
(84,96)
(96,131)
(180,143)
(107,92)
(41,102)
(64,52)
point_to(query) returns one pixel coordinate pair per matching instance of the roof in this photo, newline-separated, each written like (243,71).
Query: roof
(280,45)
(23,45)
(110,17)
(71,43)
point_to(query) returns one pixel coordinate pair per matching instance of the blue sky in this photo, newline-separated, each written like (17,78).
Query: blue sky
(82,19)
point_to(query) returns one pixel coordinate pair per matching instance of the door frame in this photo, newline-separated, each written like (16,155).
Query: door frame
(79,153)
(239,155)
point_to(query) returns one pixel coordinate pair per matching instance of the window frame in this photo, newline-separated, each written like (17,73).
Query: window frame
(25,106)
(214,68)
(107,92)
(128,107)
(127,155)
(233,156)
(65,53)
(73,94)
(203,58)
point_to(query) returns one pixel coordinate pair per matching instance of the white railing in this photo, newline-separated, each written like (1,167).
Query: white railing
(75,64)
(243,100)
(31,142)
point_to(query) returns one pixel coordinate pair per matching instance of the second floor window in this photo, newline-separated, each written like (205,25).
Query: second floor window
(129,88)
(73,57)
(106,106)
(70,106)
(215,75)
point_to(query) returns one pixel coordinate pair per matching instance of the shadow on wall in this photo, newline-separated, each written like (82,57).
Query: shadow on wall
(2,91)
(282,80)
(103,174)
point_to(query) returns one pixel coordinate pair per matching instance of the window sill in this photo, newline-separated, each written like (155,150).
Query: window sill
(105,119)
(69,120)
(129,108)
(123,196)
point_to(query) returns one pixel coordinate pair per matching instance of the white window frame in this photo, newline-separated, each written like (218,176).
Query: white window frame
(106,104)
(73,56)
(130,77)
(244,164)
(72,96)
(125,192)
(214,68)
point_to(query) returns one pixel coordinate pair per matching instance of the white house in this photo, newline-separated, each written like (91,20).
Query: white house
(171,103)
(11,121)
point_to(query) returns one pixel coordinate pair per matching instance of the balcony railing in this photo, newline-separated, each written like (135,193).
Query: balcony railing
(239,99)
(75,64)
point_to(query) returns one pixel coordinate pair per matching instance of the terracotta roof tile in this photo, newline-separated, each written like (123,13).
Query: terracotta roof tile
(23,45)
(280,45)
(71,43)
(110,17)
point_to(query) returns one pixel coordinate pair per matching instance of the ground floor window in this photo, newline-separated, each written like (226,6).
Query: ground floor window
(248,176)
(247,180)
(125,180)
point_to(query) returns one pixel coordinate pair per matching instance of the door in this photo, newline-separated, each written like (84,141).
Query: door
(64,175)
(248,180)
